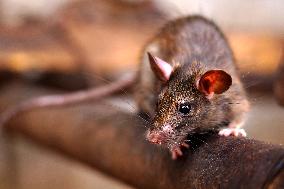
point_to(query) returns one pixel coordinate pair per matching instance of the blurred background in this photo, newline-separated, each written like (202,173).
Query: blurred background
(68,45)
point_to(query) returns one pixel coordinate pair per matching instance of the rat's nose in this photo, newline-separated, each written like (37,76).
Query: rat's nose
(155,137)
(167,129)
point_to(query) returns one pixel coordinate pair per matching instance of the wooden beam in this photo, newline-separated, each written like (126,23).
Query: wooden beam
(112,140)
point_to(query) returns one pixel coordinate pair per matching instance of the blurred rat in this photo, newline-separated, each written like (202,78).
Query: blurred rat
(187,82)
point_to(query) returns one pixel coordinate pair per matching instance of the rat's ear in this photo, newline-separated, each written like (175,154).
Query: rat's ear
(161,69)
(214,81)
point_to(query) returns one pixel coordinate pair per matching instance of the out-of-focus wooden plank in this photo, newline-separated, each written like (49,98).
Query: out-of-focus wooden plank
(257,53)
(106,36)
(34,47)
(279,84)
(110,33)
(41,60)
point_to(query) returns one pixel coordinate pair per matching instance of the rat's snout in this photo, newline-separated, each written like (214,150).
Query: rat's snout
(159,136)
(155,137)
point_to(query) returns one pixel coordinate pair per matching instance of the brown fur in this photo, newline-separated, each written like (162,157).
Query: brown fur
(193,45)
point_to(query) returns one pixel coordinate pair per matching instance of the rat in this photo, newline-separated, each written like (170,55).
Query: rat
(193,83)
(187,82)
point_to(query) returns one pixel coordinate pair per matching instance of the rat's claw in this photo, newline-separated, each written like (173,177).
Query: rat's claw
(185,145)
(176,152)
(233,131)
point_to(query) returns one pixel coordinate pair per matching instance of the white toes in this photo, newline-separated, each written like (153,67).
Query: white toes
(242,133)
(221,132)
(232,131)
(225,132)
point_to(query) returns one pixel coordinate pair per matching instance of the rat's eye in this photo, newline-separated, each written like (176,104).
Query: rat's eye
(185,108)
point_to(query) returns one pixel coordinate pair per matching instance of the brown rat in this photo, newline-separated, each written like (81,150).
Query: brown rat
(194,83)
(193,86)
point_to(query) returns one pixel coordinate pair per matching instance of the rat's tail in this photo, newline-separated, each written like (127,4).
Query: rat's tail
(68,99)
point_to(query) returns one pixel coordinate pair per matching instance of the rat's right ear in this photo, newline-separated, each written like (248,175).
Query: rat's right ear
(161,69)
(214,81)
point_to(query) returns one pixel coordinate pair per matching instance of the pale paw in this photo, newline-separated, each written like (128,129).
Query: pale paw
(185,145)
(176,151)
(233,131)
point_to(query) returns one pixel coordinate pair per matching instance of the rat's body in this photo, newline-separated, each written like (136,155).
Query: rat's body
(200,80)
(192,46)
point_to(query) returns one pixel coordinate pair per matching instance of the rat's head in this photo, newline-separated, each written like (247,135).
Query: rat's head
(186,103)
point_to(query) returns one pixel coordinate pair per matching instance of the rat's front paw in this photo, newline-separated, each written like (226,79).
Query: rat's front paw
(233,131)
(176,151)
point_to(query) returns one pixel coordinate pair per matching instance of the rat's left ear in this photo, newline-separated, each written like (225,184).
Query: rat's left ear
(161,69)
(214,81)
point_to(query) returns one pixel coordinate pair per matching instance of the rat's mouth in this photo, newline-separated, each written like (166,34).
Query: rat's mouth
(162,138)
